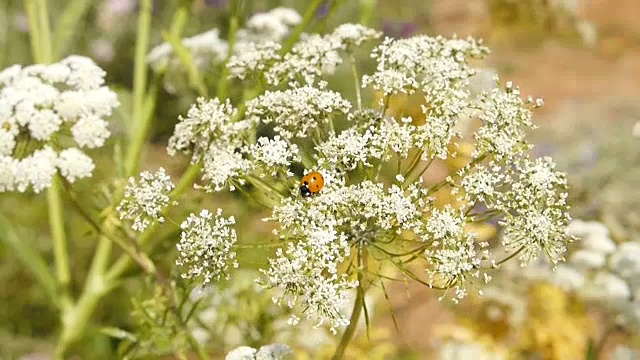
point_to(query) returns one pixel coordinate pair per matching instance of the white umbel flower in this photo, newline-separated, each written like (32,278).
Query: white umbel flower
(204,250)
(49,102)
(295,111)
(145,199)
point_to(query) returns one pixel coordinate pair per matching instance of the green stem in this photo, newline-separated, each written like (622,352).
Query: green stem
(31,8)
(66,26)
(223,82)
(358,306)
(134,152)
(308,16)
(58,237)
(45,33)
(367,10)
(356,79)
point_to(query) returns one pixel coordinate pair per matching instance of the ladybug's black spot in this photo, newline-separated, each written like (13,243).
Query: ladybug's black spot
(304,191)
(306,183)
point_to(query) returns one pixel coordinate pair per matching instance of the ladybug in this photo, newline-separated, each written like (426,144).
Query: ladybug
(311,184)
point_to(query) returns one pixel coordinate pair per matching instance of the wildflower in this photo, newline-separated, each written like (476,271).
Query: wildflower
(74,164)
(206,48)
(47,103)
(145,199)
(207,121)
(273,154)
(309,59)
(266,352)
(296,111)
(204,250)
(254,59)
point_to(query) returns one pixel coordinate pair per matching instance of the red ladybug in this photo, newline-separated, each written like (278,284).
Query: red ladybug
(311,184)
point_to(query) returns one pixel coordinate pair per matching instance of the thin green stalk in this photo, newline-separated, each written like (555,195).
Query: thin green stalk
(4,34)
(355,315)
(58,237)
(45,33)
(223,82)
(134,152)
(356,79)
(66,26)
(31,8)
(308,16)
(367,11)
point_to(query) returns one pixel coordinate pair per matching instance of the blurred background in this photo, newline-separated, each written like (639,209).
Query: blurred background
(581,56)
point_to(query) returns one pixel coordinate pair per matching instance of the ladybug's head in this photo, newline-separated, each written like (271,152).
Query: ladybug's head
(304,190)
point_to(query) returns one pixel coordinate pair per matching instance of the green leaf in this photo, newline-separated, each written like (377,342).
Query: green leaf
(32,260)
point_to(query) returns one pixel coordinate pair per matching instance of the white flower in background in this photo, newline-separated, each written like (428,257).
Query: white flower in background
(593,235)
(309,59)
(254,59)
(621,352)
(46,103)
(273,25)
(266,352)
(295,112)
(36,170)
(145,199)
(354,34)
(242,353)
(204,250)
(206,48)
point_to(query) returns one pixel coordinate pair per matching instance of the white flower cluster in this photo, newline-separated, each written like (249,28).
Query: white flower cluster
(266,352)
(205,246)
(299,122)
(325,228)
(296,111)
(256,46)
(47,114)
(205,48)
(212,136)
(145,199)
(316,55)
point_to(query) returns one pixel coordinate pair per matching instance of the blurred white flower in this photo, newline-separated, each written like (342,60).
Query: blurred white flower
(45,103)
(74,164)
